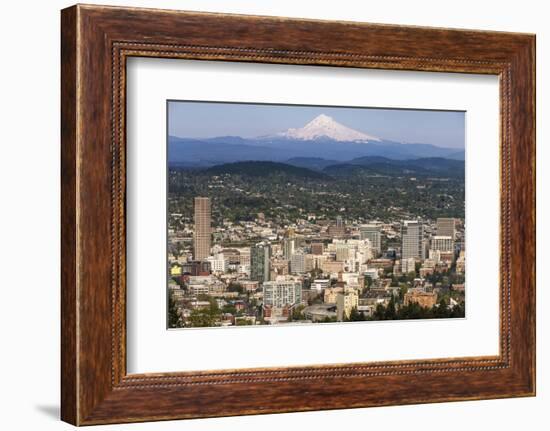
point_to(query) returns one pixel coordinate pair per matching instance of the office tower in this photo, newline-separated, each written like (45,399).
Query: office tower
(282,293)
(260,256)
(196,268)
(412,240)
(317,248)
(338,230)
(344,252)
(203,231)
(446,227)
(442,243)
(289,245)
(372,233)
(298,263)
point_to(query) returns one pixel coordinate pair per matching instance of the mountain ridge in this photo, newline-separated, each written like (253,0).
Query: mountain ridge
(322,137)
(256,168)
(427,167)
(211,151)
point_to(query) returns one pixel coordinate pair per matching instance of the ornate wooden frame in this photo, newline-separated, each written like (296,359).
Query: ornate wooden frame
(95,42)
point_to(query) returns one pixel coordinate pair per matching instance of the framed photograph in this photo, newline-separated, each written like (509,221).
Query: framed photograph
(264,215)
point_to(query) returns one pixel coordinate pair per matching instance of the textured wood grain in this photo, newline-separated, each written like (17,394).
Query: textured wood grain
(96,41)
(69,397)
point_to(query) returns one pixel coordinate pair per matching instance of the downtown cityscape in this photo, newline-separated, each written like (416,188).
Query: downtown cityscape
(316,224)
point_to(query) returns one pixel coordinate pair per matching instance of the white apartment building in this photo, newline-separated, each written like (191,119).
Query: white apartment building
(282,292)
(218,263)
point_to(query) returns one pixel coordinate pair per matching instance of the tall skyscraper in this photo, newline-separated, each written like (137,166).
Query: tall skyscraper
(338,230)
(412,240)
(298,263)
(446,227)
(260,257)
(289,245)
(372,233)
(203,231)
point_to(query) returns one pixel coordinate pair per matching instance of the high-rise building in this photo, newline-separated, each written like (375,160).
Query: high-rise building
(345,303)
(196,268)
(344,252)
(442,243)
(338,230)
(412,240)
(289,245)
(372,233)
(260,256)
(282,293)
(202,236)
(244,255)
(446,227)
(317,248)
(298,263)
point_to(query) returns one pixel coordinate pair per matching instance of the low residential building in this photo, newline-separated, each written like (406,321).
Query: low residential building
(249,285)
(424,299)
(320,283)
(458,287)
(331,266)
(205,285)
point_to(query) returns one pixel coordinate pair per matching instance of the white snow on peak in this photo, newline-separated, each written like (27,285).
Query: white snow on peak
(324,126)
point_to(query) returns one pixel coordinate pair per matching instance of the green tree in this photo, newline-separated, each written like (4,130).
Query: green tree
(207,316)
(355,316)
(390,312)
(297,313)
(235,287)
(402,290)
(174,319)
(368,282)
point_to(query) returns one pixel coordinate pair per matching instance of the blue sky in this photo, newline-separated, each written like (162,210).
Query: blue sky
(211,119)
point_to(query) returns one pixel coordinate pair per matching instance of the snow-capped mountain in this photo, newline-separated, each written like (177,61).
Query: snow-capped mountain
(323,138)
(324,126)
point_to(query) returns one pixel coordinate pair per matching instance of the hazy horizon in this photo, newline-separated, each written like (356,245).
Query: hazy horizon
(190,119)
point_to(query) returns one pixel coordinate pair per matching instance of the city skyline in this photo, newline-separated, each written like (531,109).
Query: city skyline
(323,221)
